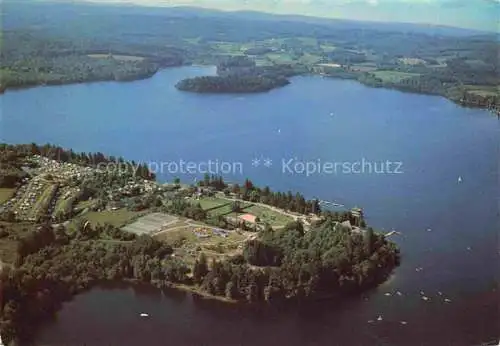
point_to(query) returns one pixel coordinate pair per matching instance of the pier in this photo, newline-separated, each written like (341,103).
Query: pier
(332,204)
(392,233)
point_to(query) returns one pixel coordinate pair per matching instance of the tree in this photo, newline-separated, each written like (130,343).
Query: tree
(252,292)
(248,185)
(368,240)
(231,290)
(236,207)
(200,268)
(236,189)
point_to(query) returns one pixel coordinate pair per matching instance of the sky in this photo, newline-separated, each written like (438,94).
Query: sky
(474,14)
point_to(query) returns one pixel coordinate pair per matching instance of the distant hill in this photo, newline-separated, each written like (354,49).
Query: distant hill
(29,13)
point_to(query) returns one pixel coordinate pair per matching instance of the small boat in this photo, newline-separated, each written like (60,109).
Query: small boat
(144,315)
(279,130)
(446,300)
(331,114)
(404,322)
(459,179)
(379,318)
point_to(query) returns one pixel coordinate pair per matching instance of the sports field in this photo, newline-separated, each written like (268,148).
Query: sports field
(151,223)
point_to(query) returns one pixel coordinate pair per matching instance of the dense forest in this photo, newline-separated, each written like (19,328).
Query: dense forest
(29,59)
(326,261)
(231,84)
(241,75)
(53,264)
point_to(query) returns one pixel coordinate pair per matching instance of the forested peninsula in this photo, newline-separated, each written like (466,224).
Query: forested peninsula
(64,228)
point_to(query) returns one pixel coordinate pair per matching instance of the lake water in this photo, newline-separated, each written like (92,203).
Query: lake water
(312,119)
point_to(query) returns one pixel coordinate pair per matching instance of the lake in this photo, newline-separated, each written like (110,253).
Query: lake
(443,199)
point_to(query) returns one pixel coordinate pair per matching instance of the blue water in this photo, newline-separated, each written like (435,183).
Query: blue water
(435,140)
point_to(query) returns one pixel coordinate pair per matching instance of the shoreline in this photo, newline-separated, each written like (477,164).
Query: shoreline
(5,89)
(200,293)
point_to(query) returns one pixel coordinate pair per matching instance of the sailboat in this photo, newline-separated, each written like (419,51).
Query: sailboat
(459,179)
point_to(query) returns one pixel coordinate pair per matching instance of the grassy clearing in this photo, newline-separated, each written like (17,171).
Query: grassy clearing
(483,90)
(6,194)
(117,218)
(228,48)
(208,203)
(393,76)
(275,219)
(188,246)
(42,204)
(64,203)
(84,204)
(178,235)
(310,59)
(263,62)
(327,48)
(8,247)
(225,210)
(364,67)
(280,58)
(308,41)
(8,250)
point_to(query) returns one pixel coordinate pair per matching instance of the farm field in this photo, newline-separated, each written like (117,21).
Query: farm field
(280,58)
(6,194)
(65,201)
(483,90)
(327,48)
(208,203)
(310,59)
(43,203)
(84,204)
(8,247)
(116,218)
(393,76)
(228,48)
